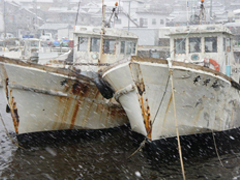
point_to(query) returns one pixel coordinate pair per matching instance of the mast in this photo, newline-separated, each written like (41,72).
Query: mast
(4,21)
(211,11)
(102,33)
(76,19)
(4,18)
(187,4)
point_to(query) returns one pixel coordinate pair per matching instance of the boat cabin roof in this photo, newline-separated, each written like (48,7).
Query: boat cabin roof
(109,32)
(200,29)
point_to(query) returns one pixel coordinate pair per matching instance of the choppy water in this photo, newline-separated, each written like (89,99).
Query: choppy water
(104,156)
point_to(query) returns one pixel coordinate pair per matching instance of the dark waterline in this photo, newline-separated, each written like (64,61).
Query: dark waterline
(103,155)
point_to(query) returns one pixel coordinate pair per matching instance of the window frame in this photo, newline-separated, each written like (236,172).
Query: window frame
(79,45)
(214,50)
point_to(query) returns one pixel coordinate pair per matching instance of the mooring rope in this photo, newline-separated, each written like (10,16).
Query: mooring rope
(215,145)
(8,135)
(175,116)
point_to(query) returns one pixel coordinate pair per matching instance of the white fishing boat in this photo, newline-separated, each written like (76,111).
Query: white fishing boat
(32,49)
(195,91)
(44,98)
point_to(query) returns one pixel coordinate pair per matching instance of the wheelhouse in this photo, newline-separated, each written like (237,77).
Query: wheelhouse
(202,44)
(92,47)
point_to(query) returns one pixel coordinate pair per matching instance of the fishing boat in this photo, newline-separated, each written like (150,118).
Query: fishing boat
(46,98)
(32,49)
(194,91)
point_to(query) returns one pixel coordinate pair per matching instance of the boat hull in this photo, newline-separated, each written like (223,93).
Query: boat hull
(205,100)
(43,98)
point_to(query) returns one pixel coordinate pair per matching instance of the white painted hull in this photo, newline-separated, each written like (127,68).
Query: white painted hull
(205,99)
(43,57)
(43,98)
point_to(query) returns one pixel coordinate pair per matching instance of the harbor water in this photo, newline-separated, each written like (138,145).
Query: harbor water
(104,155)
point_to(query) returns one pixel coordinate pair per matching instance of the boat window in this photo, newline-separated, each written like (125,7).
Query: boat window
(34,43)
(180,46)
(131,47)
(109,46)
(95,44)
(12,42)
(228,44)
(194,45)
(82,44)
(210,44)
(122,47)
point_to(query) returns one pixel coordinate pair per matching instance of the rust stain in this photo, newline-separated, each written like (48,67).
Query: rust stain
(79,89)
(14,112)
(12,104)
(6,81)
(166,112)
(146,117)
(75,112)
(64,103)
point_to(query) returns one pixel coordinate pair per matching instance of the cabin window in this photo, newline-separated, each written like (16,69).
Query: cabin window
(122,47)
(109,46)
(34,43)
(180,46)
(228,44)
(194,45)
(82,44)
(210,44)
(134,48)
(95,44)
(131,48)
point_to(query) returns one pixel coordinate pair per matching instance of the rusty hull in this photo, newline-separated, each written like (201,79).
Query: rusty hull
(43,98)
(205,99)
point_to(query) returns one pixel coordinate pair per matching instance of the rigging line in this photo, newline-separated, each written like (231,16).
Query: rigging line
(160,104)
(215,146)
(139,148)
(176,122)
(8,135)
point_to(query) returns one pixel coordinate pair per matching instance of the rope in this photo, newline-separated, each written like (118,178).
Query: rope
(139,148)
(176,123)
(215,145)
(15,143)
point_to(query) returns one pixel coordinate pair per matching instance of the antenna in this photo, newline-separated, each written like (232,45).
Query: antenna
(113,12)
(202,13)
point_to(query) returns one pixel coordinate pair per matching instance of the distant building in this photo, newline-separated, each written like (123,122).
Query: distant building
(20,19)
